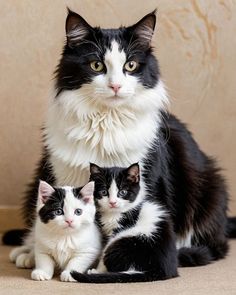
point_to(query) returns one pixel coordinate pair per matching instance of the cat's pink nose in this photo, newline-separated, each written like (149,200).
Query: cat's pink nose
(115,87)
(69,221)
(113,203)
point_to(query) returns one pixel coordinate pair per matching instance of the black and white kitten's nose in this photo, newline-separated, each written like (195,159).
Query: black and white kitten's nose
(115,87)
(113,204)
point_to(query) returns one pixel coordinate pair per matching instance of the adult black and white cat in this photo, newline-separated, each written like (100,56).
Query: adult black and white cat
(65,234)
(138,234)
(109,108)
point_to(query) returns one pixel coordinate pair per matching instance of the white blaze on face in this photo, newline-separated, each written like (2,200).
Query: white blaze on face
(113,191)
(114,60)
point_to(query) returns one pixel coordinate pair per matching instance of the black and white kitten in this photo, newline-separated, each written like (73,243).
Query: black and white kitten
(65,234)
(109,109)
(139,240)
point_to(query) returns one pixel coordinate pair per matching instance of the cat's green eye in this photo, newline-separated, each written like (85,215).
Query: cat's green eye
(78,211)
(97,66)
(103,193)
(59,212)
(123,193)
(131,66)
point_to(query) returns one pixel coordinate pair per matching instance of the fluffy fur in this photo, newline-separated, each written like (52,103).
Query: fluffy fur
(89,121)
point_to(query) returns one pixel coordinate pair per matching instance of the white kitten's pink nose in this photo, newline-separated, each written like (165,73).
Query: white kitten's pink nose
(115,87)
(69,221)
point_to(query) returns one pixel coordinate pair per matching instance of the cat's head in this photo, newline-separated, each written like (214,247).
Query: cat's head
(116,189)
(65,208)
(109,67)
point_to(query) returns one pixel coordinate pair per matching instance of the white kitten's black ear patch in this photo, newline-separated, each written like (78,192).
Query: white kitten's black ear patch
(94,169)
(44,192)
(133,172)
(76,28)
(144,28)
(87,192)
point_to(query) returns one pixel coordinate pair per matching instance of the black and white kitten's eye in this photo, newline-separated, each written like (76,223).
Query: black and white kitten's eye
(123,193)
(78,211)
(59,212)
(131,66)
(97,66)
(103,193)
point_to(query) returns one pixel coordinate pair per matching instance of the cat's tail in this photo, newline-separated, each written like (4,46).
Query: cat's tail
(231,227)
(119,277)
(14,237)
(194,256)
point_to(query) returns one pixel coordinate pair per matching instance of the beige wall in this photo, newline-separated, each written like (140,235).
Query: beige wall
(195,42)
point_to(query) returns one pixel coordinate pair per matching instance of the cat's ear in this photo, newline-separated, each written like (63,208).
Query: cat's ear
(94,169)
(87,192)
(76,28)
(44,192)
(133,172)
(144,29)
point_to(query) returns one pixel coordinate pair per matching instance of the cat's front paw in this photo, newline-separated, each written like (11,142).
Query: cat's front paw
(93,271)
(25,260)
(40,275)
(66,276)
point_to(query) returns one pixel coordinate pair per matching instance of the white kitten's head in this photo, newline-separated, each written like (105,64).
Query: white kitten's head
(65,208)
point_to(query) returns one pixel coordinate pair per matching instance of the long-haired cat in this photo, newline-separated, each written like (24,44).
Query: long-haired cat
(109,108)
(65,234)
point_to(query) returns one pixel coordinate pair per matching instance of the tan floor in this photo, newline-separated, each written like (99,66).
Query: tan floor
(217,278)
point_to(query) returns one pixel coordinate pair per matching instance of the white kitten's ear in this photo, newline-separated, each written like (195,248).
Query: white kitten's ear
(133,172)
(87,192)
(44,192)
(76,28)
(144,28)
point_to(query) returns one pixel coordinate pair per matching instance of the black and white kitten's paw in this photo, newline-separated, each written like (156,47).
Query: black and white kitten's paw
(25,260)
(66,276)
(17,251)
(93,271)
(40,275)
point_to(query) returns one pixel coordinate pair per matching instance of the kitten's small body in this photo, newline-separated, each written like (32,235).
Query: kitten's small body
(65,235)
(139,240)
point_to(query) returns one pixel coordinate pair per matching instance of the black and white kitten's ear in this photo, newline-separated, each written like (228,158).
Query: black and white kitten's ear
(44,192)
(133,172)
(76,28)
(87,192)
(144,29)
(94,169)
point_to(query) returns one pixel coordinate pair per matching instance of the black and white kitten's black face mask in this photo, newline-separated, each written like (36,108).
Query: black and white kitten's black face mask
(116,189)
(109,66)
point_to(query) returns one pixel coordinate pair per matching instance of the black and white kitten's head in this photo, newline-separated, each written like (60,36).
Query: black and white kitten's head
(65,208)
(109,67)
(116,189)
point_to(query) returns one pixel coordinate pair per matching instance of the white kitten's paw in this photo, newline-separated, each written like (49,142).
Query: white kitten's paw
(93,271)
(25,260)
(16,252)
(66,276)
(40,275)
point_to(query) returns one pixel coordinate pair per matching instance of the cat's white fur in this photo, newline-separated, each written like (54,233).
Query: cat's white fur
(91,124)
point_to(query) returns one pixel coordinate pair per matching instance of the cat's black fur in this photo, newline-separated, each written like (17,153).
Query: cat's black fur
(177,173)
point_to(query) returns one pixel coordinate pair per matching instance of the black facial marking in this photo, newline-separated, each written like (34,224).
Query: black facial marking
(52,206)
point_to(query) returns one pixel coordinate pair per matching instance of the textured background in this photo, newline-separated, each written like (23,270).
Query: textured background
(195,44)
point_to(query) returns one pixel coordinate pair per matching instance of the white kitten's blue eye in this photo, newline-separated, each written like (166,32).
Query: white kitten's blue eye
(78,211)
(58,212)
(123,193)
(103,193)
